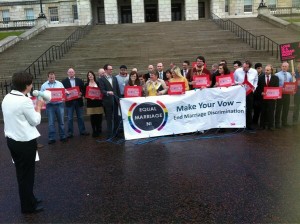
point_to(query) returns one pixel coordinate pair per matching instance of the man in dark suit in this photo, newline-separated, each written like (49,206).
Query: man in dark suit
(150,71)
(267,106)
(161,73)
(111,93)
(76,104)
(186,71)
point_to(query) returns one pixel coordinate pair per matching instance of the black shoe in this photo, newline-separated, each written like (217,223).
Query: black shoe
(277,126)
(64,140)
(286,125)
(70,136)
(36,210)
(85,133)
(262,128)
(51,142)
(271,129)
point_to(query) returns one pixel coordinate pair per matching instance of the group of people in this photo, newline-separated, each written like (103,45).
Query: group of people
(21,117)
(268,114)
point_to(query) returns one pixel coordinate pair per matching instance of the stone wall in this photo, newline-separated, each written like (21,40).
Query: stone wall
(138,13)
(111,12)
(191,10)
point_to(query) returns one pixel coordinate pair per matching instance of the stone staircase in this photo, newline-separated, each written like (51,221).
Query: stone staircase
(21,55)
(257,27)
(137,45)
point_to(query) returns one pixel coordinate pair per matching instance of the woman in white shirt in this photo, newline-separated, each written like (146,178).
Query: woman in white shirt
(20,121)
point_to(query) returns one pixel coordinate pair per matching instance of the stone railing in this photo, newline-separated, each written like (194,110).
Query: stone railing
(17,24)
(284,11)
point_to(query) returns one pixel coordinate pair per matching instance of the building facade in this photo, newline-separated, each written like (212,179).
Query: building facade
(131,11)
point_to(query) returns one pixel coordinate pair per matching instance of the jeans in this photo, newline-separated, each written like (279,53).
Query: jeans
(55,110)
(79,113)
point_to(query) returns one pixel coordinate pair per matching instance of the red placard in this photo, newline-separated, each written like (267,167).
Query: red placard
(72,93)
(290,51)
(298,81)
(132,91)
(176,88)
(93,93)
(34,99)
(272,93)
(57,94)
(289,88)
(225,80)
(201,81)
(249,87)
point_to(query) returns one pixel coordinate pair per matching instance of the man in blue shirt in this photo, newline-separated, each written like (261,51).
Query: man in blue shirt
(54,109)
(297,97)
(283,104)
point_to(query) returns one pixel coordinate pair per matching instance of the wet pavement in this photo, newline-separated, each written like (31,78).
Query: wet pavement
(231,177)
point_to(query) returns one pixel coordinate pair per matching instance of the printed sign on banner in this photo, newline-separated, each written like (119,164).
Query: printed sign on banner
(57,94)
(93,93)
(204,109)
(272,93)
(201,81)
(225,80)
(176,88)
(132,91)
(289,88)
(72,93)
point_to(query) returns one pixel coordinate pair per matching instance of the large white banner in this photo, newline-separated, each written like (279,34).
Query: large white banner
(196,110)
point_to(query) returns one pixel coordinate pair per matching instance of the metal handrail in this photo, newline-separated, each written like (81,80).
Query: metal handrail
(55,52)
(260,42)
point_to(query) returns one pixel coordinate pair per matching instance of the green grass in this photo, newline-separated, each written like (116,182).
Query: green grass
(295,20)
(7,34)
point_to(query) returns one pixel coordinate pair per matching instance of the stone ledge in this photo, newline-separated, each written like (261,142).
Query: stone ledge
(8,42)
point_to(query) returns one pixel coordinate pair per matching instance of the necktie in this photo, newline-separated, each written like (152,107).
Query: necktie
(268,80)
(285,77)
(246,78)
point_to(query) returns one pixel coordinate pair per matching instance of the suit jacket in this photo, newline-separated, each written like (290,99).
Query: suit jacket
(164,76)
(274,82)
(78,82)
(106,86)
(188,74)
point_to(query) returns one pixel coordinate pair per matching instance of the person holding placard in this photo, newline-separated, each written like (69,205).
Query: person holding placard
(76,103)
(247,76)
(133,79)
(155,86)
(222,70)
(199,70)
(283,104)
(20,121)
(94,106)
(55,109)
(297,96)
(267,79)
(177,77)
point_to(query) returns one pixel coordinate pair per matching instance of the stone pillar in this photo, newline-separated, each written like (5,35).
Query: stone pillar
(111,11)
(42,22)
(84,11)
(164,10)
(138,11)
(191,10)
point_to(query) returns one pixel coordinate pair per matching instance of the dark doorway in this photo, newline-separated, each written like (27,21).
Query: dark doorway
(101,15)
(126,15)
(151,13)
(176,12)
(201,7)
